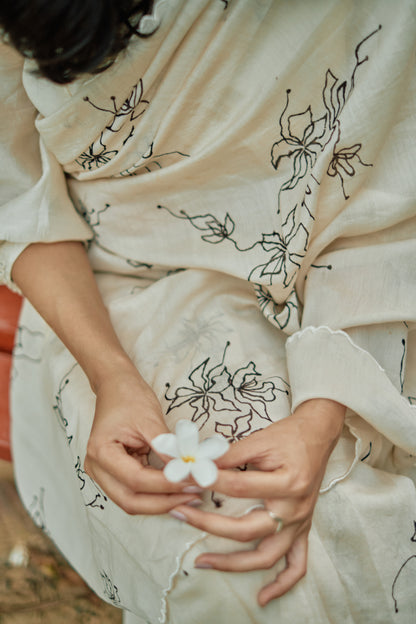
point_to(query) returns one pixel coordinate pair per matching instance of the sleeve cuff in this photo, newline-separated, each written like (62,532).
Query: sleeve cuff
(9,252)
(323,363)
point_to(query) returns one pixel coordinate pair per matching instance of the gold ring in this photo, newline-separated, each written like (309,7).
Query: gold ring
(277,519)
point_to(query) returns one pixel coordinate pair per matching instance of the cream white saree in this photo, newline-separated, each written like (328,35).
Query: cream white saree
(245,179)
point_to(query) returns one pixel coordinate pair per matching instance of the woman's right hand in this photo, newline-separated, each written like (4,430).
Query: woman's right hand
(127,417)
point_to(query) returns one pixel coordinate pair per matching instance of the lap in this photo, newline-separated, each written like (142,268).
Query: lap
(202,343)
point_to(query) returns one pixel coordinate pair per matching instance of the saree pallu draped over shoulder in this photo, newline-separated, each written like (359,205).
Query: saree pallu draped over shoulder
(245,180)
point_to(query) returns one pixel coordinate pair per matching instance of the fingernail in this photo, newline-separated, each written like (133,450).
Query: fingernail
(203,566)
(192,489)
(178,515)
(195,503)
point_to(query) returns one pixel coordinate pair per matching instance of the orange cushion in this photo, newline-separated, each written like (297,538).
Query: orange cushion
(10,304)
(5,366)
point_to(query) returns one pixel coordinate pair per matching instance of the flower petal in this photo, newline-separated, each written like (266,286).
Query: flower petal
(176,470)
(204,471)
(213,447)
(187,437)
(165,443)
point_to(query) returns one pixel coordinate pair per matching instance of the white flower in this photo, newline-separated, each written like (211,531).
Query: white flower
(190,456)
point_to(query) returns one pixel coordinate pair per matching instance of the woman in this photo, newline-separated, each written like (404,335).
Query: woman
(243,179)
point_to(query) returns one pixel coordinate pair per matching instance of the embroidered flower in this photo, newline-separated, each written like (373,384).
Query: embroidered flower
(303,138)
(342,164)
(190,456)
(206,391)
(286,251)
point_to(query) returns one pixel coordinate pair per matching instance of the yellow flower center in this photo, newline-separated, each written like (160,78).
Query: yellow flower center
(188,458)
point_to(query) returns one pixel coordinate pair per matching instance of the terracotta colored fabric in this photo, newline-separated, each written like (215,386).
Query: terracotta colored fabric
(10,304)
(5,366)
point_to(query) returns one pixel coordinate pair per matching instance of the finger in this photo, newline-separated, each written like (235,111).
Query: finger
(253,483)
(295,569)
(115,461)
(140,503)
(249,527)
(242,452)
(265,556)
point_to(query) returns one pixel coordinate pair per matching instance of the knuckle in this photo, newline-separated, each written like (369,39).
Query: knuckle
(129,507)
(239,489)
(301,571)
(301,485)
(245,535)
(268,561)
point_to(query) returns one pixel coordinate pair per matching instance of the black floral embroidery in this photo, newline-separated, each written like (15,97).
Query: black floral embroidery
(123,116)
(93,495)
(214,230)
(405,569)
(58,407)
(131,108)
(303,139)
(402,365)
(205,391)
(214,389)
(250,390)
(93,217)
(282,261)
(342,164)
(238,429)
(285,315)
(110,590)
(150,161)
(305,135)
(96,155)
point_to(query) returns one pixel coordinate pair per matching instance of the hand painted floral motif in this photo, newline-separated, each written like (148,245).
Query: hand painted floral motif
(303,139)
(286,252)
(407,569)
(110,590)
(304,136)
(58,408)
(96,155)
(150,161)
(93,496)
(239,429)
(93,217)
(284,316)
(216,389)
(250,390)
(205,392)
(123,116)
(215,230)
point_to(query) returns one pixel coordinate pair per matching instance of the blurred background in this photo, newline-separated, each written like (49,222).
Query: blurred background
(37,586)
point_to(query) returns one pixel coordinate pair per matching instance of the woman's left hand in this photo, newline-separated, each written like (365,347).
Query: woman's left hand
(290,457)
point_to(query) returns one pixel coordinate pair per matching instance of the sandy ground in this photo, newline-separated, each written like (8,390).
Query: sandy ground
(39,587)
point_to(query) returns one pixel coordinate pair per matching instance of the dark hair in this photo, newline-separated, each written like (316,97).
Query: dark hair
(71,37)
